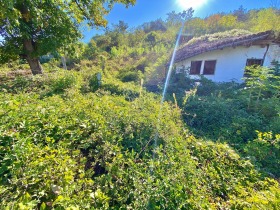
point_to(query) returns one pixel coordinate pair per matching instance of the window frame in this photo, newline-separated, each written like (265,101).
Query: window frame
(214,69)
(253,60)
(199,69)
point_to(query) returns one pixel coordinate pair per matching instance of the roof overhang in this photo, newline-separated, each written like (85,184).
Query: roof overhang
(200,47)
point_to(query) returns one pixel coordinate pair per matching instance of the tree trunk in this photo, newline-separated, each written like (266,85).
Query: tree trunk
(28,44)
(33,62)
(35,65)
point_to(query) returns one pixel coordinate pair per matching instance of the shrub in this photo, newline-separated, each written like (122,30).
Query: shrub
(223,89)
(218,118)
(62,82)
(265,152)
(179,84)
(44,176)
(103,150)
(129,90)
(91,83)
(130,77)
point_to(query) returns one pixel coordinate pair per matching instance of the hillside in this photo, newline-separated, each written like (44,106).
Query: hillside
(71,141)
(67,144)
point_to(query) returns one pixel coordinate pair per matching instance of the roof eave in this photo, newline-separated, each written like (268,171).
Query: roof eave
(247,41)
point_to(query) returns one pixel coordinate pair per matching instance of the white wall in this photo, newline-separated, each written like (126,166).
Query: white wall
(232,61)
(272,54)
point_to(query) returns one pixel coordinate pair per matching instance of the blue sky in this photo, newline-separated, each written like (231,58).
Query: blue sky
(147,10)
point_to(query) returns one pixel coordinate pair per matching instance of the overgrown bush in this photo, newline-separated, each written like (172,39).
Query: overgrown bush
(61,83)
(91,82)
(265,152)
(218,118)
(222,89)
(232,113)
(129,76)
(129,90)
(99,150)
(178,85)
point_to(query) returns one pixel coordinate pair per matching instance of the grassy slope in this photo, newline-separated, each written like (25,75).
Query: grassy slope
(65,143)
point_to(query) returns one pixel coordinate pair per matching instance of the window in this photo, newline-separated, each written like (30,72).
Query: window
(209,67)
(195,67)
(251,62)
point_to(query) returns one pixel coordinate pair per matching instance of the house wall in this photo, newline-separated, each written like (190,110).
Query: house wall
(231,62)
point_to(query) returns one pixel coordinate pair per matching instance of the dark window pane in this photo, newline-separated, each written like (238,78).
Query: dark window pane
(209,67)
(251,62)
(195,67)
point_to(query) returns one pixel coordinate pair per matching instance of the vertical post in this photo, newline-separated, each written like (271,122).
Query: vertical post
(98,76)
(63,60)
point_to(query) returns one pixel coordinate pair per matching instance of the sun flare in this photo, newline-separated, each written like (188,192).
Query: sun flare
(195,4)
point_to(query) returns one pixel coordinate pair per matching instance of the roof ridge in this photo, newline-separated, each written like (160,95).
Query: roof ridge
(202,46)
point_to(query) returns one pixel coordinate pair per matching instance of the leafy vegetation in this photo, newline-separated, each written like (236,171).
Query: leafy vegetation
(242,115)
(220,35)
(34,28)
(69,140)
(73,149)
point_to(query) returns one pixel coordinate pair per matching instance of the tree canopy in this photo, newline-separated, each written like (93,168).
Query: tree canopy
(31,28)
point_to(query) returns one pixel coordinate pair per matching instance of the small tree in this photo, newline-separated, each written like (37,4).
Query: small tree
(261,82)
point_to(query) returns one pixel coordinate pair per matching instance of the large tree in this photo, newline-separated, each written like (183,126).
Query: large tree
(31,28)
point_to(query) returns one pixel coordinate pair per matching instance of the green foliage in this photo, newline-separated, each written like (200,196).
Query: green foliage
(276,67)
(179,84)
(34,28)
(265,152)
(69,142)
(152,38)
(20,83)
(267,19)
(207,87)
(157,25)
(100,149)
(262,83)
(174,18)
(253,20)
(94,83)
(43,175)
(232,113)
(90,50)
(129,90)
(130,77)
(62,83)
(91,83)
(222,119)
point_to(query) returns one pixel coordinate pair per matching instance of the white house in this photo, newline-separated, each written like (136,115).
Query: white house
(224,59)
